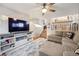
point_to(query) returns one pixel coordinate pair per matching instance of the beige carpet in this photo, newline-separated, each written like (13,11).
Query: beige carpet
(51,49)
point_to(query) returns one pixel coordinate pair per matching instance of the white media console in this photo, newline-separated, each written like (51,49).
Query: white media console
(19,44)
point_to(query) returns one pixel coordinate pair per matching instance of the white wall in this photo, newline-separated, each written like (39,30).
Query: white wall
(74,17)
(3,25)
(37,29)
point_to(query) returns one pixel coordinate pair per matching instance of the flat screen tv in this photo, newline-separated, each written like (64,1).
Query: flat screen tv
(17,25)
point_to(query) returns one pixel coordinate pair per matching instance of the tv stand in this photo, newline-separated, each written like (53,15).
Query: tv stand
(24,46)
(21,44)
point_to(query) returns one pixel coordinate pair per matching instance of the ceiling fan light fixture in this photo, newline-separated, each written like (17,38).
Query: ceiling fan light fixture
(44,10)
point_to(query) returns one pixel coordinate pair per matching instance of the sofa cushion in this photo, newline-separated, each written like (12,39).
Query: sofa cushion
(59,33)
(69,45)
(76,38)
(55,38)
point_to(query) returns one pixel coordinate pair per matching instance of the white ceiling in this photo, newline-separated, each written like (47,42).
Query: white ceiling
(34,9)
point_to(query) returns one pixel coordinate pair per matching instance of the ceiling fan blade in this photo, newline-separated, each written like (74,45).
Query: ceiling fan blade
(51,3)
(52,10)
(44,5)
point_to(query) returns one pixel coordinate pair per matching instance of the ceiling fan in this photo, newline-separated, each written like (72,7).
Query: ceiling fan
(47,7)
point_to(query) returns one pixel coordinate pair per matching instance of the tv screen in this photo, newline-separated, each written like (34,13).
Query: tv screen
(18,25)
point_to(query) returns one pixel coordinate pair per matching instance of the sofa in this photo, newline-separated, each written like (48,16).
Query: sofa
(57,37)
(70,45)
